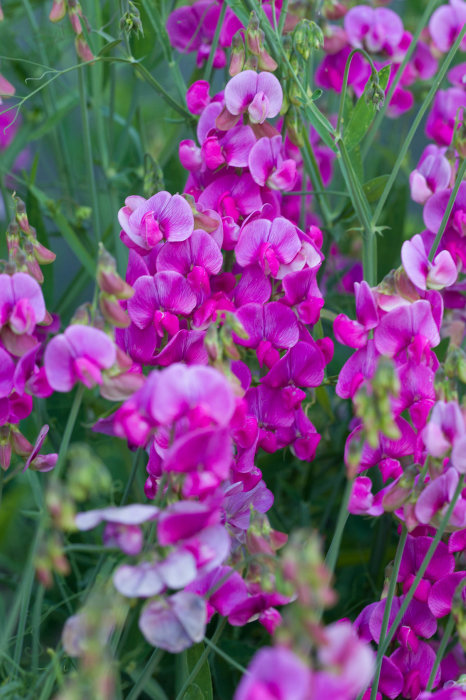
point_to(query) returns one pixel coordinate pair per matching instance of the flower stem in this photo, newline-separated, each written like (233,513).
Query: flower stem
(441,650)
(425,563)
(334,549)
(388,609)
(446,216)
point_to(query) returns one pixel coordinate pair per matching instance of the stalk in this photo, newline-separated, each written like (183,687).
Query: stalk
(334,549)
(446,216)
(388,609)
(441,650)
(425,563)
(88,157)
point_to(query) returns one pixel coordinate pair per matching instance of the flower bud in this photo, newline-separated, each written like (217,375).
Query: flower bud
(58,10)
(238,55)
(293,126)
(131,23)
(112,311)
(254,35)
(307,36)
(82,49)
(43,255)
(375,93)
(459,139)
(108,279)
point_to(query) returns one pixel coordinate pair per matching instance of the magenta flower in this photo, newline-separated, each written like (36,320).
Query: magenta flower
(439,273)
(432,174)
(158,300)
(442,593)
(78,355)
(331,70)
(435,499)
(197,96)
(258,94)
(362,501)
(232,196)
(441,120)
(202,394)
(398,328)
(446,23)
(197,258)
(268,167)
(442,564)
(445,430)
(269,327)
(22,307)
(275,674)
(7,370)
(146,222)
(302,366)
(269,243)
(377,30)
(416,666)
(192,28)
(356,333)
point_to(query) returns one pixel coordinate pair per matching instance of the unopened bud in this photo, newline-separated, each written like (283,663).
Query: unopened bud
(459,139)
(375,93)
(113,311)
(58,10)
(293,126)
(43,255)
(82,49)
(307,36)
(254,35)
(131,23)
(238,55)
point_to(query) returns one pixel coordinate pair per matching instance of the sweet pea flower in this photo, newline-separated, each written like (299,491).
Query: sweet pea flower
(275,674)
(377,30)
(175,623)
(439,273)
(269,243)
(232,196)
(441,120)
(259,95)
(355,334)
(362,501)
(267,166)
(122,525)
(269,327)
(432,174)
(445,430)
(435,499)
(146,222)
(22,307)
(192,28)
(446,23)
(78,354)
(400,327)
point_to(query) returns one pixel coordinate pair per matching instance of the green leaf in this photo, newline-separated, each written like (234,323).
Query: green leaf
(363,113)
(108,47)
(63,107)
(374,188)
(66,230)
(203,678)
(194,693)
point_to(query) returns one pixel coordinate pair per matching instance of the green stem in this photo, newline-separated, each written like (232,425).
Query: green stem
(411,133)
(88,156)
(425,563)
(446,216)
(413,45)
(345,83)
(441,650)
(213,48)
(203,657)
(147,672)
(225,657)
(388,608)
(73,414)
(313,171)
(334,549)
(132,476)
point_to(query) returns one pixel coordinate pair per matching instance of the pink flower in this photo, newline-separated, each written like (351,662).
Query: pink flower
(438,274)
(146,222)
(21,303)
(192,28)
(330,72)
(445,430)
(432,174)
(441,120)
(269,243)
(79,354)
(258,94)
(446,23)
(398,328)
(267,166)
(275,674)
(362,501)
(377,30)
(435,499)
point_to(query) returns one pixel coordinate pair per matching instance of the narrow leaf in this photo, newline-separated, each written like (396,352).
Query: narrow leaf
(363,112)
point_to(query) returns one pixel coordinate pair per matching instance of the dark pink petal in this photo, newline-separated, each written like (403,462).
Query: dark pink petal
(361,365)
(176,219)
(184,519)
(349,332)
(185,346)
(303,365)
(205,449)
(398,328)
(273,322)
(254,286)
(442,592)
(236,145)
(7,371)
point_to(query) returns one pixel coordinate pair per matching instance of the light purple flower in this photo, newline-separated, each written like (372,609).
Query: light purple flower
(79,354)
(432,174)
(441,120)
(258,94)
(268,167)
(446,23)
(174,623)
(439,273)
(22,303)
(147,222)
(269,243)
(377,30)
